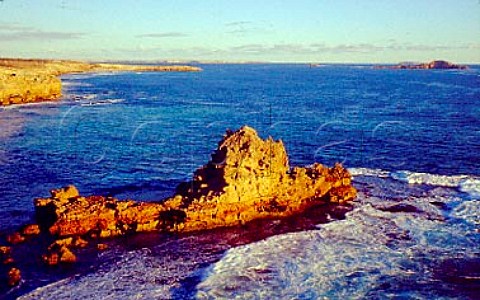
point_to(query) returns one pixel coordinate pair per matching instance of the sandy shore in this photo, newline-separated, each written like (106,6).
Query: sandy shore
(32,80)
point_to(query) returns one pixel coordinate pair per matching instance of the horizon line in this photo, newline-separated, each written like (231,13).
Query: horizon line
(199,61)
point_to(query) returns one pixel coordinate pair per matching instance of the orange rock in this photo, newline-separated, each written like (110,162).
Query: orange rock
(51,259)
(247,178)
(15,238)
(8,261)
(78,242)
(102,247)
(67,256)
(32,229)
(67,242)
(14,277)
(5,250)
(58,253)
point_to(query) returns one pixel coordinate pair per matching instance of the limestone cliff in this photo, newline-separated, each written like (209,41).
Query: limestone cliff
(25,81)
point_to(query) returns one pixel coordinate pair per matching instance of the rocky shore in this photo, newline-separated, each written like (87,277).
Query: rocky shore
(27,81)
(247,178)
(433,65)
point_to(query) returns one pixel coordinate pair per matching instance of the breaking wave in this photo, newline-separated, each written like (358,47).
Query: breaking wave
(421,244)
(383,249)
(464,183)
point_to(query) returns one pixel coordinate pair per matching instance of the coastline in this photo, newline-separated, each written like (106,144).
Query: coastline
(32,80)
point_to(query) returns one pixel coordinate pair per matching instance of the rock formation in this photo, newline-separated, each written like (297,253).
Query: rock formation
(247,178)
(25,81)
(436,64)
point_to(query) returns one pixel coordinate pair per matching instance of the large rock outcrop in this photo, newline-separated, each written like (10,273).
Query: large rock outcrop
(247,178)
(32,80)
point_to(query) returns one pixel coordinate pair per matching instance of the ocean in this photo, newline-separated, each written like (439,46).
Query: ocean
(411,139)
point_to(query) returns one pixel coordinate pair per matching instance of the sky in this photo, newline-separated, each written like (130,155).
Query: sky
(338,31)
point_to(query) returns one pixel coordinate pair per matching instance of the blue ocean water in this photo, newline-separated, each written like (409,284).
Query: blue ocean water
(410,137)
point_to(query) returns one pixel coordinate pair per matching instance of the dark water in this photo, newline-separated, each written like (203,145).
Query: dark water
(139,135)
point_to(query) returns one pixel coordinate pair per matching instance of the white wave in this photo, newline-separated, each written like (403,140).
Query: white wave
(469,211)
(80,97)
(470,186)
(371,254)
(384,247)
(465,183)
(30,104)
(69,84)
(136,276)
(426,178)
(102,102)
(368,172)
(208,103)
(147,273)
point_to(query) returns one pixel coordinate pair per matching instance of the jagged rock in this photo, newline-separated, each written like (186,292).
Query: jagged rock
(78,242)
(58,253)
(15,238)
(31,229)
(72,242)
(14,277)
(247,178)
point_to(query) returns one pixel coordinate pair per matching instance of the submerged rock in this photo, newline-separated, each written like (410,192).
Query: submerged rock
(246,179)
(15,238)
(14,277)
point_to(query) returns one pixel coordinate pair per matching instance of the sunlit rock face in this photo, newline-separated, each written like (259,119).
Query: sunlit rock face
(34,80)
(247,178)
(21,87)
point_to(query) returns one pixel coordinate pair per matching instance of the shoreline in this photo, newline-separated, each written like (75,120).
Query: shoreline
(33,80)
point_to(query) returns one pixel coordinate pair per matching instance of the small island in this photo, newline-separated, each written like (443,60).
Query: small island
(36,80)
(433,65)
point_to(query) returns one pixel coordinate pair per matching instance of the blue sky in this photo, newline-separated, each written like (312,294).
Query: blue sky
(278,31)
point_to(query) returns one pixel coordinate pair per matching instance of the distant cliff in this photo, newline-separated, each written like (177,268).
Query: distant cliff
(32,80)
(433,65)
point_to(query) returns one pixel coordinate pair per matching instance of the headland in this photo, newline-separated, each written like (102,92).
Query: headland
(34,80)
